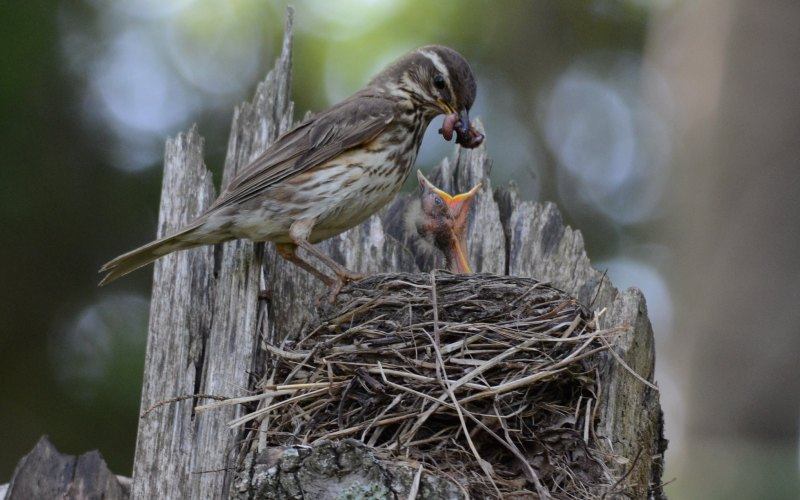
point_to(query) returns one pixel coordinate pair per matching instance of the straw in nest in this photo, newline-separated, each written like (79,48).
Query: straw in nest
(488,380)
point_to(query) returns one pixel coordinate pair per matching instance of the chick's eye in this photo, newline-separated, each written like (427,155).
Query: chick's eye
(438,82)
(437,200)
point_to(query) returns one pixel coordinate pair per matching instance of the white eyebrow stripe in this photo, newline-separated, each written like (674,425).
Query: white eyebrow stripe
(436,60)
(440,67)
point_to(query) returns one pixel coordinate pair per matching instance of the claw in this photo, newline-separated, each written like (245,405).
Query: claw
(343,279)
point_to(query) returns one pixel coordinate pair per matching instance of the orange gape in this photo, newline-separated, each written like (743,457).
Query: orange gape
(442,221)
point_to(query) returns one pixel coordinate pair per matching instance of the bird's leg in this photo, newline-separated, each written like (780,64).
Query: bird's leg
(288,252)
(299,233)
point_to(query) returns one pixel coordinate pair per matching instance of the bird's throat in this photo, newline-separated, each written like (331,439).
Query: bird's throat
(456,257)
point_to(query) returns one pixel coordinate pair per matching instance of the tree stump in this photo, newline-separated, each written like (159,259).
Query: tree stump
(214,309)
(46,473)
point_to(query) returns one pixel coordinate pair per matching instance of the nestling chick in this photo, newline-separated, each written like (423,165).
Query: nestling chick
(441,221)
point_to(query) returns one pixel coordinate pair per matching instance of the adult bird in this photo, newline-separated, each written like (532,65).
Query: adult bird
(441,221)
(332,171)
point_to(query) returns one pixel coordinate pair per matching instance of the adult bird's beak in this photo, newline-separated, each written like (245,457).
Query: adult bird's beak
(463,125)
(452,244)
(446,108)
(467,136)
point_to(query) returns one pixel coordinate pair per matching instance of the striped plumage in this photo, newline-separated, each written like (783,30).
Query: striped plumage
(334,170)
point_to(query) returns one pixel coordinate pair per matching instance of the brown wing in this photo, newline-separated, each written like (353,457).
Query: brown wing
(351,123)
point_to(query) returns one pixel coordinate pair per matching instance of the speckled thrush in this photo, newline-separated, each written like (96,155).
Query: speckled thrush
(332,171)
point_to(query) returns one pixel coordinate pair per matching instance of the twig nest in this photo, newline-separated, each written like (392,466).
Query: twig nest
(490,381)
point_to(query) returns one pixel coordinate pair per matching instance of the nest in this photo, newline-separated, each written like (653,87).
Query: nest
(490,381)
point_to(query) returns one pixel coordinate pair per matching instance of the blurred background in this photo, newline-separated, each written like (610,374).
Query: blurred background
(667,131)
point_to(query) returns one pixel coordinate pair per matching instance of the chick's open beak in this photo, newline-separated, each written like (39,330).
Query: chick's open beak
(458,206)
(423,181)
(458,210)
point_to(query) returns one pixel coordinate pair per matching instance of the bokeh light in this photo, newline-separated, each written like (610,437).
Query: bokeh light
(98,351)
(612,148)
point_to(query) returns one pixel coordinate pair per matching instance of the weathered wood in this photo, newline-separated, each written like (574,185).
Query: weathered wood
(46,473)
(202,342)
(213,307)
(180,320)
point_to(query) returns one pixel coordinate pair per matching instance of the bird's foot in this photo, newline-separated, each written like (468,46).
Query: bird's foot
(344,278)
(349,277)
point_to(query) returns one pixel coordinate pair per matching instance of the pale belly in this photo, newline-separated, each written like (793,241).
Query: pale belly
(357,203)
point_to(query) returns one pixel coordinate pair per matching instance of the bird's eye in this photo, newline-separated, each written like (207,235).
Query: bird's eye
(438,82)
(437,200)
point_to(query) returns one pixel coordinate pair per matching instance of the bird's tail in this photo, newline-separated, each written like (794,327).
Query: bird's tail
(146,254)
